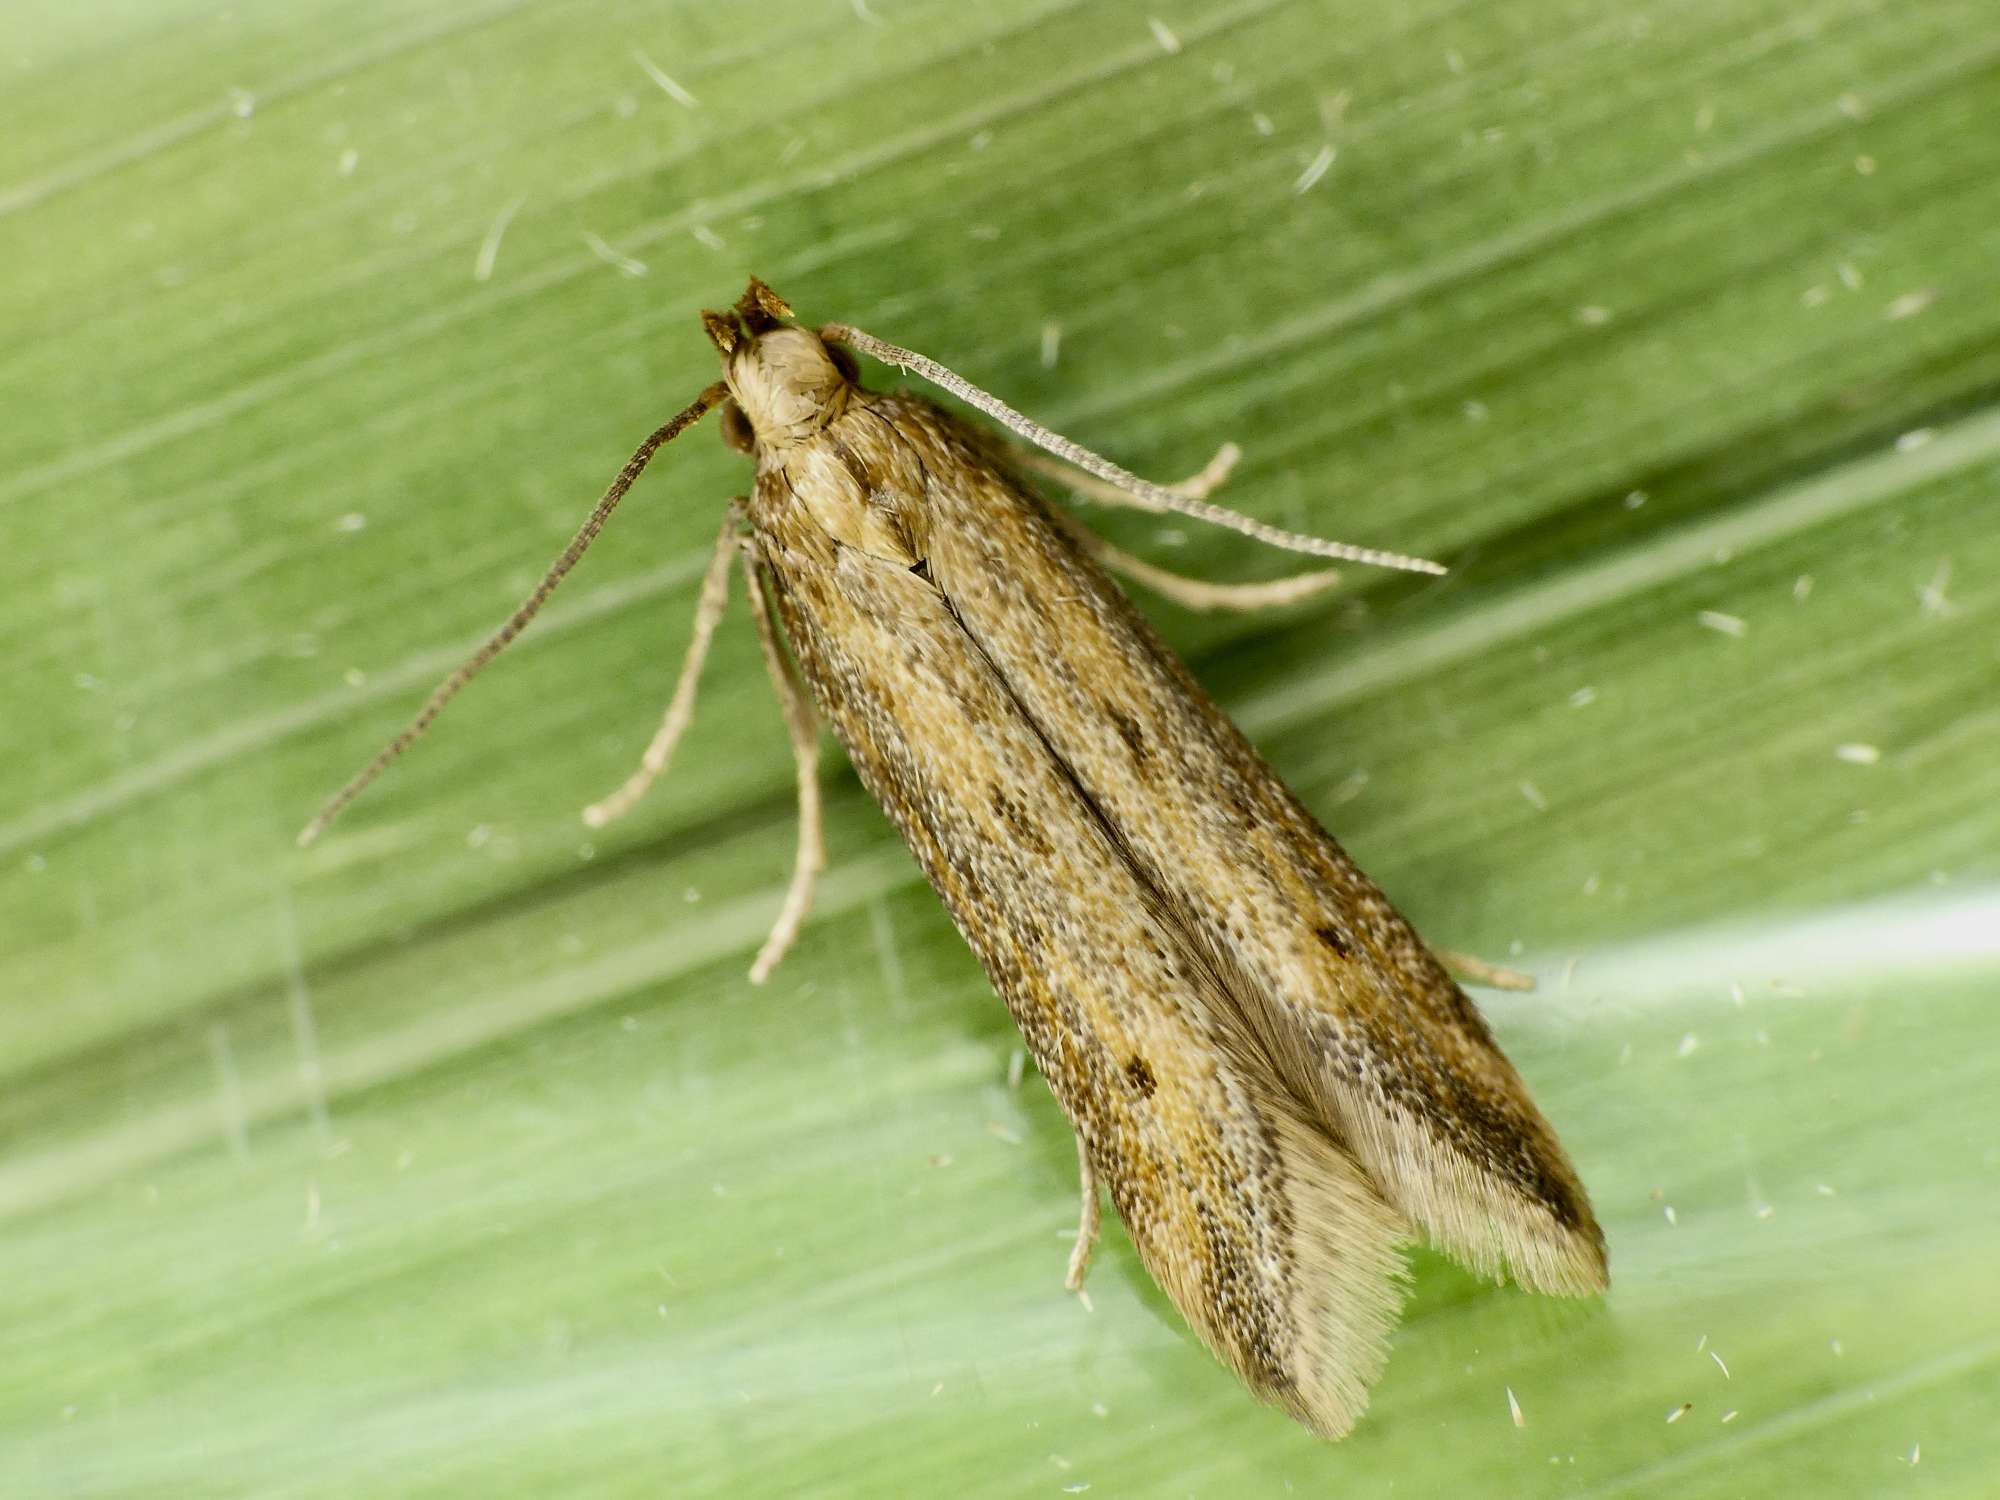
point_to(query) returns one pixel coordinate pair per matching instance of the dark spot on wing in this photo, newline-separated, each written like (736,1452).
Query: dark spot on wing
(1140,1076)
(1133,736)
(1027,832)
(1335,939)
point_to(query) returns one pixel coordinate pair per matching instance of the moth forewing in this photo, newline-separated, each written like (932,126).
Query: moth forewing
(1268,1071)
(1214,1169)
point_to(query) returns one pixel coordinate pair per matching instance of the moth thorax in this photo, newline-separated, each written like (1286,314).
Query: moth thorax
(787,384)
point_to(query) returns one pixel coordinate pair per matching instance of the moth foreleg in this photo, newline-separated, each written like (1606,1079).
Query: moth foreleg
(1087,1224)
(803,726)
(708,612)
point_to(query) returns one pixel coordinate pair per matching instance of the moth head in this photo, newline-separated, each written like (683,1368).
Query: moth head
(785,383)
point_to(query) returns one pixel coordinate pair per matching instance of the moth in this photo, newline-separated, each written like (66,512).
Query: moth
(1277,1082)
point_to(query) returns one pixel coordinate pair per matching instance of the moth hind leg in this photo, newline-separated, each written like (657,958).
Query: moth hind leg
(1483,971)
(1089,1222)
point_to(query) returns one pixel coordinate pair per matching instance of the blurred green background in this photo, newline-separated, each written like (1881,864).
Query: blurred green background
(457,1156)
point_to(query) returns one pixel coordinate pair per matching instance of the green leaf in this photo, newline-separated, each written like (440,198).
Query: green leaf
(456,1156)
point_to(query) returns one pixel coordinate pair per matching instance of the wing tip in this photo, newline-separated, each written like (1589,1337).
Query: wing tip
(1558,1262)
(1546,1240)
(1352,1278)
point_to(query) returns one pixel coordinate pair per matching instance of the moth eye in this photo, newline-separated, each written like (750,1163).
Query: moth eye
(736,429)
(843,361)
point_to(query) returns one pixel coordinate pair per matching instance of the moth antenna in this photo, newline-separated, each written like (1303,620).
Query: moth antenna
(494,644)
(1146,495)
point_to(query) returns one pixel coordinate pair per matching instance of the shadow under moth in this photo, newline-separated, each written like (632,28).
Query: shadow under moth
(1273,1077)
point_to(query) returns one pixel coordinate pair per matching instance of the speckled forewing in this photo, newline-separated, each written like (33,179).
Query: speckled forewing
(1212,1164)
(1350,1008)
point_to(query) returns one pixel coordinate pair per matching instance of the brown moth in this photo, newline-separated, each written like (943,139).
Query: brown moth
(1276,1080)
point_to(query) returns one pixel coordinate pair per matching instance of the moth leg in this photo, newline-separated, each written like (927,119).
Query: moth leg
(1087,1225)
(1197,486)
(1479,971)
(803,725)
(1198,593)
(708,611)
